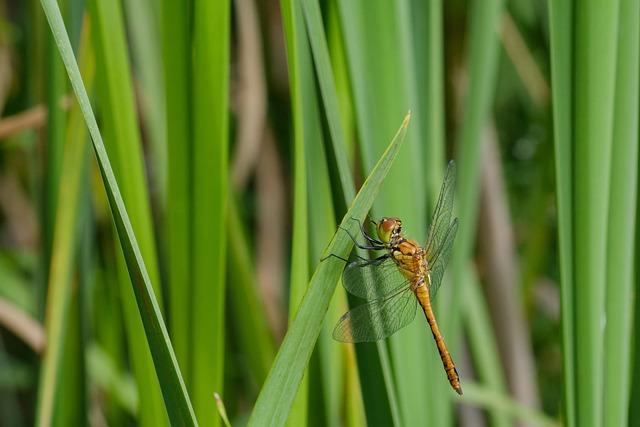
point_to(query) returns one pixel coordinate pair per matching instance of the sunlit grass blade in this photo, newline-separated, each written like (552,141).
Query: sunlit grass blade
(428,22)
(304,126)
(561,32)
(176,33)
(282,383)
(596,31)
(176,398)
(434,110)
(621,222)
(211,38)
(65,231)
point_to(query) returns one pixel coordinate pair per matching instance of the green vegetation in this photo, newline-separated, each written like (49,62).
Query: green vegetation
(174,177)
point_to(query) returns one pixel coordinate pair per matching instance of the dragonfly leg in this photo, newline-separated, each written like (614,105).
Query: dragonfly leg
(374,246)
(370,239)
(344,259)
(335,256)
(366,261)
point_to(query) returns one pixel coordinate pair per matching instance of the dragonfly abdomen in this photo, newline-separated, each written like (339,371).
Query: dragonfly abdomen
(422,293)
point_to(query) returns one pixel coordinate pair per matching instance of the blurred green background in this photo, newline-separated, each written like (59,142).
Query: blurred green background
(238,134)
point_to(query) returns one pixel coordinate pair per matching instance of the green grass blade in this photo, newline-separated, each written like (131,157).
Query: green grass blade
(634,410)
(247,311)
(211,32)
(176,398)
(210,127)
(177,68)
(482,344)
(304,126)
(73,167)
(143,26)
(433,115)
(561,29)
(72,409)
(622,214)
(55,88)
(322,225)
(595,55)
(320,51)
(284,378)
(434,111)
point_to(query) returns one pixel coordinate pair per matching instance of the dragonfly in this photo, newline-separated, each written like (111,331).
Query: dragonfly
(404,276)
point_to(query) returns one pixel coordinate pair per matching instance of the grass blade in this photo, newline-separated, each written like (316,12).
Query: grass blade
(622,214)
(503,404)
(320,51)
(177,68)
(561,29)
(247,310)
(595,55)
(142,24)
(211,32)
(282,383)
(176,398)
(73,168)
(305,126)
(483,344)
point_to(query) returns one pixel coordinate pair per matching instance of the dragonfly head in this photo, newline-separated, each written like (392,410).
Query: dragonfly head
(389,229)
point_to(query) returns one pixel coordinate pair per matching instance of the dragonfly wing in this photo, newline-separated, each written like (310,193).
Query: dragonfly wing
(439,259)
(372,279)
(377,319)
(442,212)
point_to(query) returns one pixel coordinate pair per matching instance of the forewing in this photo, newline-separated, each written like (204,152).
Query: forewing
(439,259)
(377,319)
(371,279)
(442,213)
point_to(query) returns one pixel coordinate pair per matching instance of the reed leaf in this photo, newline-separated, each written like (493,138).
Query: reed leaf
(276,397)
(621,221)
(561,29)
